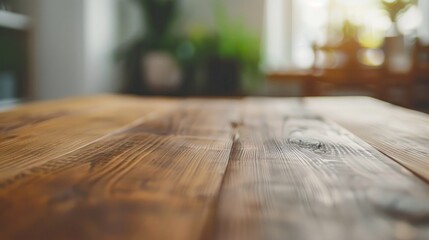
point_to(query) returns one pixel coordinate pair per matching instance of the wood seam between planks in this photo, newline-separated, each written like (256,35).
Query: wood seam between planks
(209,230)
(401,164)
(358,137)
(385,153)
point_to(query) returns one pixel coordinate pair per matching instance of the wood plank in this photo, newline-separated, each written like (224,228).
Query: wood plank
(42,131)
(158,179)
(31,114)
(400,133)
(294,175)
(44,110)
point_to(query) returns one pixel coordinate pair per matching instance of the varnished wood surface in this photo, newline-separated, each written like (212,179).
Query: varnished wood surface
(121,167)
(400,133)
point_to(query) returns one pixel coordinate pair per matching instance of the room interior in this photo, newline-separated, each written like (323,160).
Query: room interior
(57,48)
(214,119)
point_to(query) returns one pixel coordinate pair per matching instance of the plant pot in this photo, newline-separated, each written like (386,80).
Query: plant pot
(161,73)
(223,77)
(157,72)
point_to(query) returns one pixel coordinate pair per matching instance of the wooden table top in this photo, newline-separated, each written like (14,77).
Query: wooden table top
(121,167)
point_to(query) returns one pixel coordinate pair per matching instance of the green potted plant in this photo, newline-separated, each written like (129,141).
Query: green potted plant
(235,50)
(395,7)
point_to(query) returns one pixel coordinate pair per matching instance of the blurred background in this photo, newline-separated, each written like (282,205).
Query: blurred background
(59,48)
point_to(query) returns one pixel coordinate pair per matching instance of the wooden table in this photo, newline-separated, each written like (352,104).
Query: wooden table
(120,167)
(376,81)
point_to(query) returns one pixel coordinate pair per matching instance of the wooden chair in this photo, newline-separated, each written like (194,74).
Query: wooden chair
(401,80)
(421,70)
(408,81)
(421,58)
(340,69)
(337,67)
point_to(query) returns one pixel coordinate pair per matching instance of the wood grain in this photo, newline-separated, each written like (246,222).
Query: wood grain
(34,134)
(154,180)
(294,175)
(400,133)
(121,167)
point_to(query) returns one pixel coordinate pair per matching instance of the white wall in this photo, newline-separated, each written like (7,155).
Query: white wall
(74,42)
(59,48)
(100,41)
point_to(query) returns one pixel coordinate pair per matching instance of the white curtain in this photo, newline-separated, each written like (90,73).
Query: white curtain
(278,35)
(424,28)
(291,26)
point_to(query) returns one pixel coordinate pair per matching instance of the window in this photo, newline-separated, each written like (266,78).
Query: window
(293,26)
